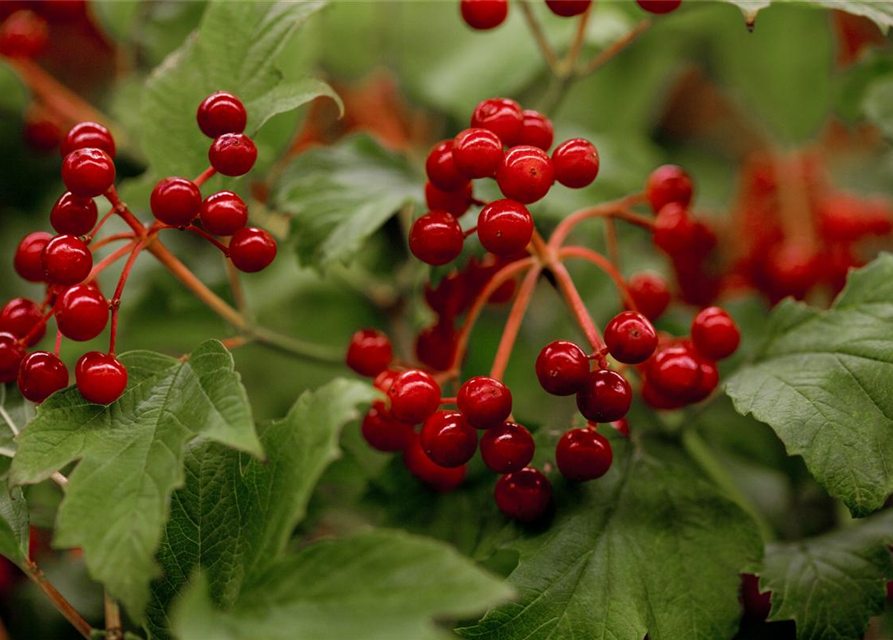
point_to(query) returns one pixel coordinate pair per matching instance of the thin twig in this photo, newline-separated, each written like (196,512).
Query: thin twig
(513,323)
(6,417)
(540,36)
(7,453)
(235,286)
(62,605)
(59,479)
(113,628)
(616,47)
(605,265)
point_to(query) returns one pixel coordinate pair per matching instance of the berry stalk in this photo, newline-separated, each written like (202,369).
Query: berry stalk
(513,323)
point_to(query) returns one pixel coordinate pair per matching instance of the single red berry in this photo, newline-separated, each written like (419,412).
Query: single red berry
(484,14)
(41,374)
(606,396)
(223,213)
(101,378)
(575,163)
(674,230)
(441,168)
(252,249)
(436,238)
(507,448)
(708,382)
(715,334)
(41,133)
(630,338)
(73,215)
(24,34)
(477,153)
(88,172)
(61,10)
(659,6)
(19,317)
(668,184)
(659,399)
(67,260)
(525,174)
(501,116)
(436,345)
(370,352)
(792,269)
(454,202)
(536,130)
(650,293)
(583,454)
(414,395)
(438,478)
(221,113)
(568,8)
(383,432)
(88,135)
(485,402)
(12,352)
(448,439)
(175,201)
(523,495)
(621,426)
(562,368)
(675,371)
(233,154)
(28,261)
(757,604)
(505,227)
(81,312)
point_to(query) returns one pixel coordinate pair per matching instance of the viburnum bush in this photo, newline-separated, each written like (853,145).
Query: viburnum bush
(474,318)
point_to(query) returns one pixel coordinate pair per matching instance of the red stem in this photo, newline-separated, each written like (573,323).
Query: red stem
(619,209)
(115,237)
(116,299)
(58,342)
(110,259)
(204,176)
(513,324)
(99,225)
(207,236)
(569,290)
(37,327)
(605,265)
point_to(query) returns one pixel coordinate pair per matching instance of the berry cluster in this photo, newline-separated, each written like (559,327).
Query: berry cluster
(64,263)
(489,14)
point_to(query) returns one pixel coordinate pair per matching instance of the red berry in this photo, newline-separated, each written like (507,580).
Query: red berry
(221,113)
(61,10)
(223,213)
(252,249)
(67,260)
(41,374)
(383,432)
(41,133)
(606,396)
(175,201)
(525,174)
(436,238)
(436,346)
(447,439)
(792,270)
(484,14)
(88,135)
(568,8)
(28,261)
(658,399)
(505,227)
(507,448)
(523,495)
(12,352)
(81,312)
(659,6)
(674,230)
(24,34)
(536,130)
(715,334)
(562,368)
(88,172)
(19,317)
(575,163)
(583,454)
(432,474)
(501,116)
(650,293)
(414,395)
(73,215)
(708,382)
(233,154)
(668,184)
(485,402)
(370,352)
(477,153)
(757,604)
(455,202)
(441,168)
(675,371)
(101,378)
(630,338)
(621,426)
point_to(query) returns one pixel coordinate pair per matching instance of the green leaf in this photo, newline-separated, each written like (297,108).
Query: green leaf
(611,563)
(381,585)
(234,517)
(878,105)
(131,456)
(880,12)
(13,520)
(831,585)
(341,195)
(821,381)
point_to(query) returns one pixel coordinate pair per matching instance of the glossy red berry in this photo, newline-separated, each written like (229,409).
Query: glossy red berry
(233,154)
(501,116)
(436,238)
(583,454)
(675,371)
(221,113)
(175,201)
(28,261)
(441,169)
(12,352)
(523,495)
(88,172)
(477,153)
(484,14)
(714,333)
(448,439)
(41,374)
(650,293)
(536,130)
(414,395)
(81,312)
(67,260)
(668,184)
(568,8)
(505,227)
(707,384)
(101,378)
(429,472)
(223,213)
(506,448)
(24,34)
(674,230)
(630,338)
(525,174)
(605,396)
(41,133)
(575,163)
(19,317)
(88,135)
(383,432)
(659,6)
(73,215)
(485,402)
(436,346)
(656,398)
(454,202)
(370,352)
(562,368)
(252,249)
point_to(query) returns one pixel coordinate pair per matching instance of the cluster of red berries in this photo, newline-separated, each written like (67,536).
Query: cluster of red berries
(489,14)
(64,262)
